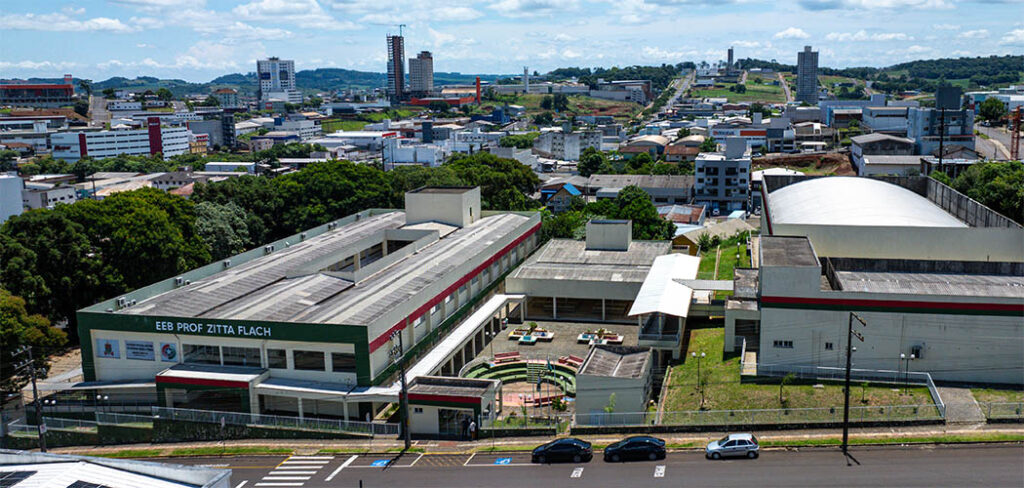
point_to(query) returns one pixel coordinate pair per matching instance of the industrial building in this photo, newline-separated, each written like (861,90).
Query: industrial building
(934,274)
(46,95)
(625,371)
(309,324)
(154,139)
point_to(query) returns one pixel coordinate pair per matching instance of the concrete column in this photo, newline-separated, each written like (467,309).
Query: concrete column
(384,248)
(603,311)
(554,308)
(522,310)
(344,409)
(356,262)
(300,406)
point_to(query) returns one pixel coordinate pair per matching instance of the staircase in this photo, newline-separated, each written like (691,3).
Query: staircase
(534,371)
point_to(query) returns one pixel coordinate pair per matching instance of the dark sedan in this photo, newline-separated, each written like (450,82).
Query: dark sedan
(633,448)
(563,450)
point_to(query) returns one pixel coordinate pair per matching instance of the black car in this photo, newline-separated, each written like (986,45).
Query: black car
(563,450)
(638,447)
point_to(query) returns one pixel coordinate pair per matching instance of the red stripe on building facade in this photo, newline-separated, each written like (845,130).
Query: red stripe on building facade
(83,150)
(385,337)
(156,141)
(202,382)
(848,302)
(423,397)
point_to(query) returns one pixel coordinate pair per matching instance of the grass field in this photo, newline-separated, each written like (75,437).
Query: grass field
(724,391)
(997,395)
(329,126)
(580,105)
(732,257)
(755,93)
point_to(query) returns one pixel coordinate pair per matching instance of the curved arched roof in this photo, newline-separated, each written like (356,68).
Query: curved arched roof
(846,200)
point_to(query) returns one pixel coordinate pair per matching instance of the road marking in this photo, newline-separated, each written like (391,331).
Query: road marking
(312,457)
(576,473)
(413,462)
(380,463)
(279,484)
(286,478)
(240,485)
(343,466)
(305,462)
(659,471)
(290,473)
(506,460)
(301,466)
(470,459)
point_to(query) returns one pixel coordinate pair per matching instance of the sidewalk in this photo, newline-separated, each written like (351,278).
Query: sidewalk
(692,440)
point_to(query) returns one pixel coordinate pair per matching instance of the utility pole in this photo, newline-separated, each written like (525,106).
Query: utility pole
(850,334)
(942,133)
(30,364)
(403,396)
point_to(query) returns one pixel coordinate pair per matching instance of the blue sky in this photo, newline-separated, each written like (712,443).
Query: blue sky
(198,40)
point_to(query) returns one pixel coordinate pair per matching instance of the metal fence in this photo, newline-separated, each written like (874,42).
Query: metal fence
(1003,410)
(111,418)
(277,421)
(727,418)
(859,375)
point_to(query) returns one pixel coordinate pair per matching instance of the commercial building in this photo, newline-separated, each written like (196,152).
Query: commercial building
(51,95)
(723,178)
(10,196)
(877,144)
(154,139)
(807,76)
(230,167)
(421,74)
(622,371)
(890,120)
(872,165)
(944,285)
(227,97)
(276,80)
(663,189)
(396,68)
(402,152)
(306,325)
(931,128)
(566,145)
(47,195)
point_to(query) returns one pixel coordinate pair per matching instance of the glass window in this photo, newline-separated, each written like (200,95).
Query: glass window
(343,362)
(241,356)
(277,358)
(308,360)
(418,322)
(200,354)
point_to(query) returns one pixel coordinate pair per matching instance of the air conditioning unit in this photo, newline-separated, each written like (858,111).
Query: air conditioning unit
(302,236)
(188,282)
(179,281)
(227,263)
(917,351)
(122,302)
(269,248)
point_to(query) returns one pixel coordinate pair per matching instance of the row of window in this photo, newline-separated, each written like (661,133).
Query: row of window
(789,345)
(276,358)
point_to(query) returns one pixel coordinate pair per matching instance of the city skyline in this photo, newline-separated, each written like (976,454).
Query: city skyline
(197,40)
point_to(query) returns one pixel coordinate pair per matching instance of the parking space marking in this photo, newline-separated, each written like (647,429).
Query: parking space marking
(413,463)
(240,485)
(576,472)
(505,460)
(278,484)
(343,466)
(659,471)
(517,459)
(470,459)
(380,463)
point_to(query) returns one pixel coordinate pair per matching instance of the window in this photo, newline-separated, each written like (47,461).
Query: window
(463,288)
(343,362)
(434,309)
(241,356)
(783,344)
(447,299)
(475,280)
(828,346)
(277,358)
(417,410)
(308,360)
(200,354)
(418,322)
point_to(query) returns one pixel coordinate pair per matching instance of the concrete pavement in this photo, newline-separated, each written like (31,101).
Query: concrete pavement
(996,466)
(997,137)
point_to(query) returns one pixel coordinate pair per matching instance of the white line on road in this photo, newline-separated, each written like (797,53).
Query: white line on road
(279,484)
(286,478)
(289,472)
(312,457)
(470,459)
(240,485)
(300,466)
(343,466)
(659,471)
(576,473)
(414,461)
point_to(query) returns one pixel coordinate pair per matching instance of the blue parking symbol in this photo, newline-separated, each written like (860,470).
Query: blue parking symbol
(380,463)
(503,461)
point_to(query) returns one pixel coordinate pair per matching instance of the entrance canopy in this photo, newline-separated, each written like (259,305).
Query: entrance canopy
(211,375)
(661,293)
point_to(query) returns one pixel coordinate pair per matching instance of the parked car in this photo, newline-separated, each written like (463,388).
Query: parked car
(637,447)
(569,449)
(733,445)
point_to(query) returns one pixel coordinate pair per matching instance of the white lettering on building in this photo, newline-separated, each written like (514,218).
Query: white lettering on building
(213,329)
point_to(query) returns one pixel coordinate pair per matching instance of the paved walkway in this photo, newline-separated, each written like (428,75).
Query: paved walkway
(961,407)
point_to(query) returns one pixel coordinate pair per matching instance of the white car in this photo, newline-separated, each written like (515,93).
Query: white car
(733,445)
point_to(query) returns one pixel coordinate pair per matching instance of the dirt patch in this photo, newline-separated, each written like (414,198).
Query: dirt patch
(818,164)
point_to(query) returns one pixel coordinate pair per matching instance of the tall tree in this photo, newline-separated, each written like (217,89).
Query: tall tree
(223,228)
(591,161)
(164,94)
(19,328)
(992,109)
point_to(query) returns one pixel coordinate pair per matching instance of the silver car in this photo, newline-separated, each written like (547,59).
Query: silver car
(733,445)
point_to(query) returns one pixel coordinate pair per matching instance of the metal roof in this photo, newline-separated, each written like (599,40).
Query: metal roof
(787,251)
(1001,286)
(565,259)
(853,201)
(616,361)
(643,181)
(661,293)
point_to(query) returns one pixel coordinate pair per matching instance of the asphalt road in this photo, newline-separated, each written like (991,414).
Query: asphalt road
(995,134)
(990,466)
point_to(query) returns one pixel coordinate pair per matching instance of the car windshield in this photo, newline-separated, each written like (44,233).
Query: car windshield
(723,440)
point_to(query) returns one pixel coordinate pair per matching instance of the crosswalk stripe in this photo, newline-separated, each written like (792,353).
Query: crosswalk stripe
(278,484)
(300,466)
(286,478)
(312,457)
(290,472)
(576,473)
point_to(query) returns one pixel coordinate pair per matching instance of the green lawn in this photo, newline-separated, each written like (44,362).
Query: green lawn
(998,395)
(331,126)
(229,450)
(706,271)
(755,93)
(132,453)
(724,391)
(734,256)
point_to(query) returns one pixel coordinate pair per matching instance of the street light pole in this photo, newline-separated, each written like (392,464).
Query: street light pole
(30,364)
(906,371)
(403,396)
(700,386)
(850,334)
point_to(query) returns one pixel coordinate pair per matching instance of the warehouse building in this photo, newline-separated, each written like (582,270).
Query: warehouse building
(935,275)
(309,325)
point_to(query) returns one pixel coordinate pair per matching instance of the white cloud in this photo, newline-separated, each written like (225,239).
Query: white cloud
(875,4)
(304,13)
(1013,38)
(862,35)
(945,27)
(533,8)
(974,34)
(73,10)
(659,54)
(751,44)
(570,54)
(917,49)
(791,33)
(58,22)
(563,37)
(38,65)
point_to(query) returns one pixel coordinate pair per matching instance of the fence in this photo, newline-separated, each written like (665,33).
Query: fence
(278,421)
(111,418)
(727,418)
(872,375)
(1003,410)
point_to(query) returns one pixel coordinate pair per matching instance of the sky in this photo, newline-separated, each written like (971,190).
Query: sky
(198,40)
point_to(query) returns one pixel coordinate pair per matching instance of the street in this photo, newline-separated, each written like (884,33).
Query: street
(993,466)
(998,144)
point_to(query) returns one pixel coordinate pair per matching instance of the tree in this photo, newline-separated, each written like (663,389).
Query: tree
(109,92)
(81,107)
(547,102)
(223,228)
(561,102)
(544,118)
(85,86)
(18,328)
(992,109)
(683,132)
(632,203)
(997,185)
(591,161)
(8,160)
(785,381)
(709,145)
(164,94)
(941,177)
(439,106)
(610,407)
(521,141)
(210,101)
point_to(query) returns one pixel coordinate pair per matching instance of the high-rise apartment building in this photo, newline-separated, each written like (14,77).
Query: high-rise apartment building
(730,66)
(807,76)
(421,74)
(396,68)
(277,80)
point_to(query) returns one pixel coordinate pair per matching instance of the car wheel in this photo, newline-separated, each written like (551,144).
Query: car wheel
(652,456)
(577,458)
(716,456)
(752,454)
(616,458)
(541,459)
